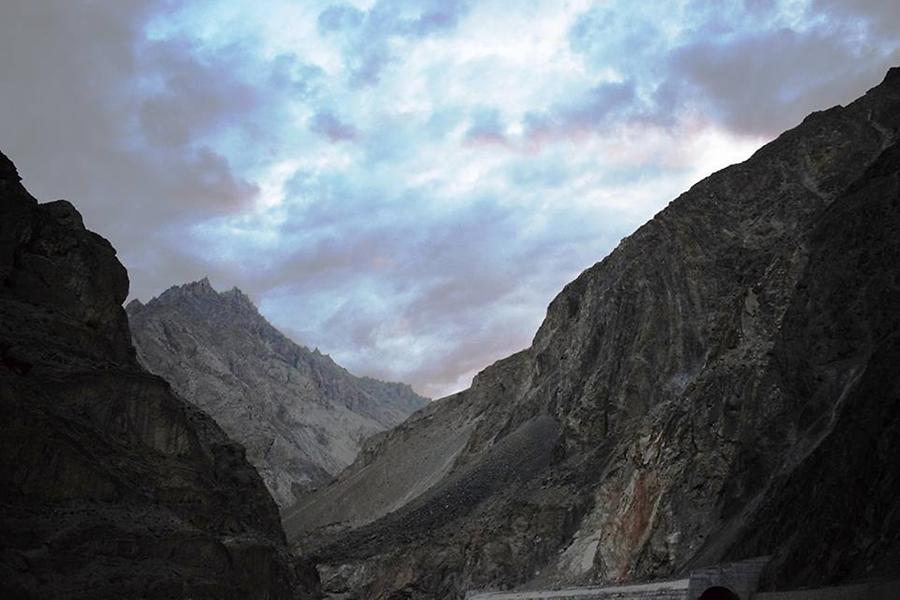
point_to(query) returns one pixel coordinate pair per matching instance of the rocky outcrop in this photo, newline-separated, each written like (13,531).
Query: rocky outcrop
(722,385)
(110,485)
(837,358)
(301,417)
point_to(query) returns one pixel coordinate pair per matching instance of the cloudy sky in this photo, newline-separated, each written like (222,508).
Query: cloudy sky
(405,184)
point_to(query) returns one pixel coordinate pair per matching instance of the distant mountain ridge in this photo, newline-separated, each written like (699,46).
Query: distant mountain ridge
(301,416)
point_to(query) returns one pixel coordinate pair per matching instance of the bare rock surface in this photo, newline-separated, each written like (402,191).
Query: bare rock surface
(111,486)
(301,417)
(723,385)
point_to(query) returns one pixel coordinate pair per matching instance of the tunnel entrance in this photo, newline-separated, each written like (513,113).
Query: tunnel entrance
(718,593)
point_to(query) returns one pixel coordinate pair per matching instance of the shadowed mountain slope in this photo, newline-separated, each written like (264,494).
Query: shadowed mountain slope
(722,385)
(110,485)
(301,417)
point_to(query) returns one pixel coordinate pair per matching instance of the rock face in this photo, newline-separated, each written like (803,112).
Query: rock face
(301,417)
(725,384)
(110,485)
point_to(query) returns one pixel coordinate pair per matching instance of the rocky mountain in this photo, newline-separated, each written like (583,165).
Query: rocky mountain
(724,384)
(301,417)
(111,486)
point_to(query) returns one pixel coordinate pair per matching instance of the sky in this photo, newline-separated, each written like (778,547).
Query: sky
(405,184)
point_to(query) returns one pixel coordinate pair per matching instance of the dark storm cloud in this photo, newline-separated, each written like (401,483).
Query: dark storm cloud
(93,112)
(764,83)
(190,96)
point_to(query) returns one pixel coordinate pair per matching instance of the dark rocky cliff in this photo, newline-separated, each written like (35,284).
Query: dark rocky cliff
(722,385)
(110,485)
(301,417)
(832,512)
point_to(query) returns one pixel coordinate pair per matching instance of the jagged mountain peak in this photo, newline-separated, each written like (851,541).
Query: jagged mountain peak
(234,313)
(301,416)
(202,288)
(134,305)
(203,299)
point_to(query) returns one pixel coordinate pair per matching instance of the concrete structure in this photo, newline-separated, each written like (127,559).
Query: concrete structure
(878,590)
(732,581)
(664,590)
(741,578)
(678,589)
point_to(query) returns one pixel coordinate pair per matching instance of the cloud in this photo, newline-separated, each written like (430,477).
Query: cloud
(369,35)
(93,112)
(617,36)
(299,79)
(486,127)
(756,67)
(190,96)
(424,292)
(326,124)
(881,16)
(599,107)
(437,16)
(764,83)
(340,17)
(405,183)
(396,278)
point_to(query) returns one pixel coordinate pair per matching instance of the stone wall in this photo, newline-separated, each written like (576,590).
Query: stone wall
(868,591)
(690,589)
(740,577)
(663,590)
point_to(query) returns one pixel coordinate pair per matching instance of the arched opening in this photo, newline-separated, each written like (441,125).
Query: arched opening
(718,593)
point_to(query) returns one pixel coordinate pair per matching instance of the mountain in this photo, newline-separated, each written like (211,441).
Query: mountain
(723,385)
(301,417)
(111,486)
